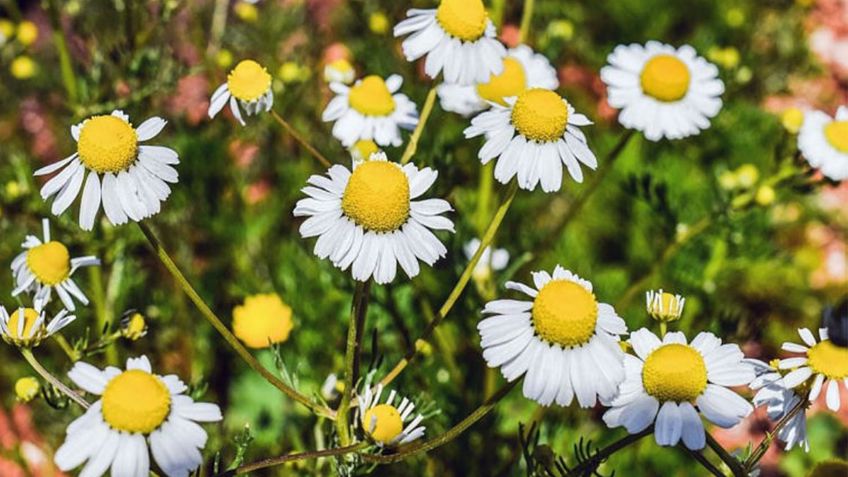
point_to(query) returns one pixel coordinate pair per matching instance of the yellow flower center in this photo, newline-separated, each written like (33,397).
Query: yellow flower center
(828,359)
(371,97)
(27,388)
(262,320)
(565,313)
(363,149)
(49,262)
(511,82)
(665,78)
(836,133)
(136,401)
(107,144)
(248,81)
(387,423)
(341,65)
(667,308)
(540,115)
(675,372)
(30,316)
(463,19)
(377,196)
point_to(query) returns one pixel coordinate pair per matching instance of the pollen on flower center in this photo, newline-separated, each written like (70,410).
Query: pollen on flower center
(463,19)
(828,359)
(512,82)
(107,144)
(49,262)
(665,78)
(30,316)
(836,133)
(540,115)
(565,313)
(248,81)
(377,196)
(371,97)
(383,423)
(675,372)
(136,401)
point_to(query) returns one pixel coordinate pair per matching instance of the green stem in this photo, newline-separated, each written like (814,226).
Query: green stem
(698,456)
(761,449)
(27,354)
(98,298)
(222,329)
(732,462)
(358,311)
(66,347)
(219,24)
(496,12)
(526,18)
(284,459)
(593,462)
(412,145)
(663,328)
(300,139)
(69,79)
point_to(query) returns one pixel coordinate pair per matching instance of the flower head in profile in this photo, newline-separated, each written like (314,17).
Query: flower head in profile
(362,150)
(46,265)
(532,136)
(28,327)
(564,339)
(139,414)
(458,39)
(772,393)
(824,142)
(339,71)
(664,306)
(522,70)
(489,260)
(368,219)
(371,109)
(670,381)
(262,320)
(823,361)
(661,90)
(390,423)
(248,86)
(129,179)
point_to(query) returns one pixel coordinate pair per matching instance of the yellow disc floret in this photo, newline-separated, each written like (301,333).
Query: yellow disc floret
(49,262)
(248,81)
(836,133)
(512,82)
(30,316)
(675,372)
(666,78)
(371,97)
(107,144)
(377,196)
(383,423)
(463,19)
(262,320)
(540,115)
(828,359)
(136,401)
(363,149)
(565,313)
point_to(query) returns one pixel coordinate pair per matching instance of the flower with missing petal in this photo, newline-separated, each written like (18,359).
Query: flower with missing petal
(824,361)
(27,327)
(390,423)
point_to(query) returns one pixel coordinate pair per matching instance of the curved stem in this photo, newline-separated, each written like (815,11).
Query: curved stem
(284,459)
(27,354)
(526,17)
(223,330)
(732,462)
(412,145)
(358,311)
(300,140)
(607,451)
(761,449)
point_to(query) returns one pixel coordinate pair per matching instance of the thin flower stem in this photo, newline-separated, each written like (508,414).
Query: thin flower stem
(600,456)
(526,18)
(300,140)
(697,455)
(223,330)
(761,449)
(732,462)
(69,79)
(412,145)
(284,459)
(66,347)
(27,354)
(358,311)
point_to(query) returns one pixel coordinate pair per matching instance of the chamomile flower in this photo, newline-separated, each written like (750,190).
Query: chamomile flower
(668,379)
(661,90)
(532,137)
(564,340)
(522,69)
(249,86)
(368,219)
(46,265)
(458,38)
(262,320)
(389,423)
(128,178)
(772,393)
(664,306)
(824,142)
(370,109)
(489,261)
(27,328)
(825,360)
(339,71)
(362,150)
(138,414)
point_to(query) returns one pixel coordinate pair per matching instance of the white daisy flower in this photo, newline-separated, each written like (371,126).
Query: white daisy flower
(667,379)
(136,409)
(566,342)
(135,177)
(827,361)
(249,86)
(371,109)
(661,90)
(339,71)
(522,69)
(457,37)
(27,328)
(824,142)
(664,306)
(772,393)
(390,423)
(46,265)
(488,261)
(368,219)
(532,137)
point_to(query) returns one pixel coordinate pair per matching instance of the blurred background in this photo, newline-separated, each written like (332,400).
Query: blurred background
(710,217)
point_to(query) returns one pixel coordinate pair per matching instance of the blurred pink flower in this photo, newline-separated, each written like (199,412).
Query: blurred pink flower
(829,34)
(19,435)
(510,35)
(242,153)
(257,192)
(752,430)
(833,268)
(190,99)
(321,12)
(336,51)
(34,121)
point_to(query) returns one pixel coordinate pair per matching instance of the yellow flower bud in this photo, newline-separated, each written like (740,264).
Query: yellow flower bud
(747,175)
(27,388)
(246,12)
(792,119)
(663,306)
(224,58)
(27,33)
(562,29)
(378,23)
(765,195)
(23,68)
(7,29)
(133,326)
